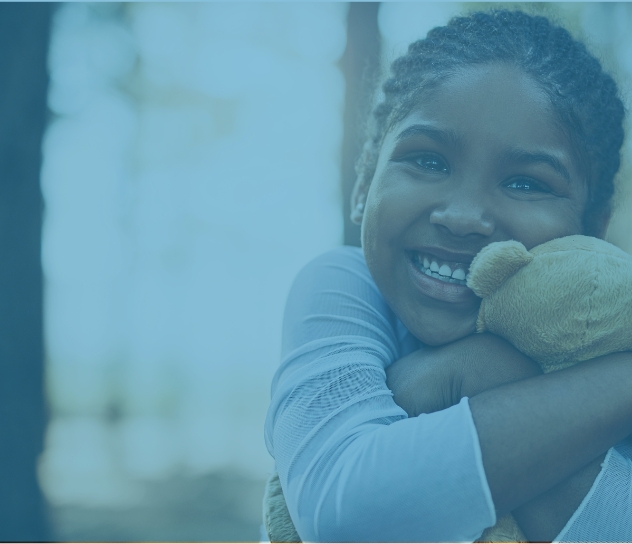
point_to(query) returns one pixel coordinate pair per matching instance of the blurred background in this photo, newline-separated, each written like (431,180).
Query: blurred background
(168,169)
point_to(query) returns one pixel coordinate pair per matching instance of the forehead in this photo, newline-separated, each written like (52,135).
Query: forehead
(492,108)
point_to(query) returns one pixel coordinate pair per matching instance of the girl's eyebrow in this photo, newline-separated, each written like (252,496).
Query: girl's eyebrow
(442,136)
(447,136)
(527,157)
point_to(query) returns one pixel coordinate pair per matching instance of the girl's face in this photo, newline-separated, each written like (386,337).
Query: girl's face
(480,159)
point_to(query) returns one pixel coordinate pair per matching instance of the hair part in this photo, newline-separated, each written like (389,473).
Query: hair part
(584,97)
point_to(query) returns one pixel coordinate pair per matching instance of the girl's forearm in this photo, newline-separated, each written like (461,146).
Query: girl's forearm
(534,432)
(537,432)
(543,518)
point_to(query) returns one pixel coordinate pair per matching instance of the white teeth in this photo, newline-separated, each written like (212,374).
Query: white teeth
(445,270)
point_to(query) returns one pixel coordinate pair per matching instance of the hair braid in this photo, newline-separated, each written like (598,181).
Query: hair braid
(585,98)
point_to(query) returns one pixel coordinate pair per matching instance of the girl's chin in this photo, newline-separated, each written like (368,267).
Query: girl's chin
(443,331)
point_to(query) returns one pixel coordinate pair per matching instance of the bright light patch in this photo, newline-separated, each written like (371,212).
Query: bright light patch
(191,171)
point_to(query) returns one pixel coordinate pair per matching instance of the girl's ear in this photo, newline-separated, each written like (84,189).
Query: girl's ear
(358,200)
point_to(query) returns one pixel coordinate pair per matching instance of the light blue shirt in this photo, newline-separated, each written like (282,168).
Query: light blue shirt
(352,465)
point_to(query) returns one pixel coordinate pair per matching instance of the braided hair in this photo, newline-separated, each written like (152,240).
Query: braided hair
(583,96)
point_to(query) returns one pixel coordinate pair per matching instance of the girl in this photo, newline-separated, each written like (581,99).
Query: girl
(390,420)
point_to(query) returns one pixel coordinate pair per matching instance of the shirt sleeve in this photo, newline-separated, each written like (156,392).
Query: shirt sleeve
(605,514)
(352,465)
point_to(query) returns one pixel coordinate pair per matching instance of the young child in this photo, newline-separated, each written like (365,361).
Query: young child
(497,126)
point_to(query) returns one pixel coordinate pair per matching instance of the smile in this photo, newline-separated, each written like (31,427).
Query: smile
(449,272)
(440,279)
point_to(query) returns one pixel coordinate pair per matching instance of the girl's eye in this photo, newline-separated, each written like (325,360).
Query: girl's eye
(528,185)
(428,161)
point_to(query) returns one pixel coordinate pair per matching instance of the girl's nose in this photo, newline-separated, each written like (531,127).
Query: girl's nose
(463,218)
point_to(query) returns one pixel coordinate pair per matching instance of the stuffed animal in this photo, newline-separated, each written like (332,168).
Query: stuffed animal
(276,518)
(565,301)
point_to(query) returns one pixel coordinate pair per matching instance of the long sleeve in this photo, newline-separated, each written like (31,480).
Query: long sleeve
(352,465)
(605,514)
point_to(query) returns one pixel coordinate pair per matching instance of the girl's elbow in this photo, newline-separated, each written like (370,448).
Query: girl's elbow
(320,519)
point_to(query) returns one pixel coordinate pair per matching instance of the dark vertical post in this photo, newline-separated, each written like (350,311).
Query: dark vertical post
(24,37)
(360,64)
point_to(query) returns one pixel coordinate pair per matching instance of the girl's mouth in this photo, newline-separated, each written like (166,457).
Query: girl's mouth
(449,272)
(440,279)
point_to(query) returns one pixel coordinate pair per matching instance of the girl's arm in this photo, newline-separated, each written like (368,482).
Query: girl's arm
(353,466)
(543,518)
(535,431)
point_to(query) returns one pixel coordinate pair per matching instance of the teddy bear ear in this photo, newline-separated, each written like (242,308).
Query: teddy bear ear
(494,264)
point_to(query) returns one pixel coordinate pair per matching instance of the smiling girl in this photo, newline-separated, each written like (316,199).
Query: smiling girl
(390,419)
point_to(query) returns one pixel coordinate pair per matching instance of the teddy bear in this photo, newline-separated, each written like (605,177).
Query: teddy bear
(565,301)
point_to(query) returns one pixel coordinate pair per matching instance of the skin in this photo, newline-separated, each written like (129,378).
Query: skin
(433,379)
(464,185)
(482,158)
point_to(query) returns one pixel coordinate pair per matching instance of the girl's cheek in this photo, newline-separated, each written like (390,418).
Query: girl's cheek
(537,226)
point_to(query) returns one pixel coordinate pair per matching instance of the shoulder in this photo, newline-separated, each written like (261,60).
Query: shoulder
(334,281)
(334,296)
(341,261)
